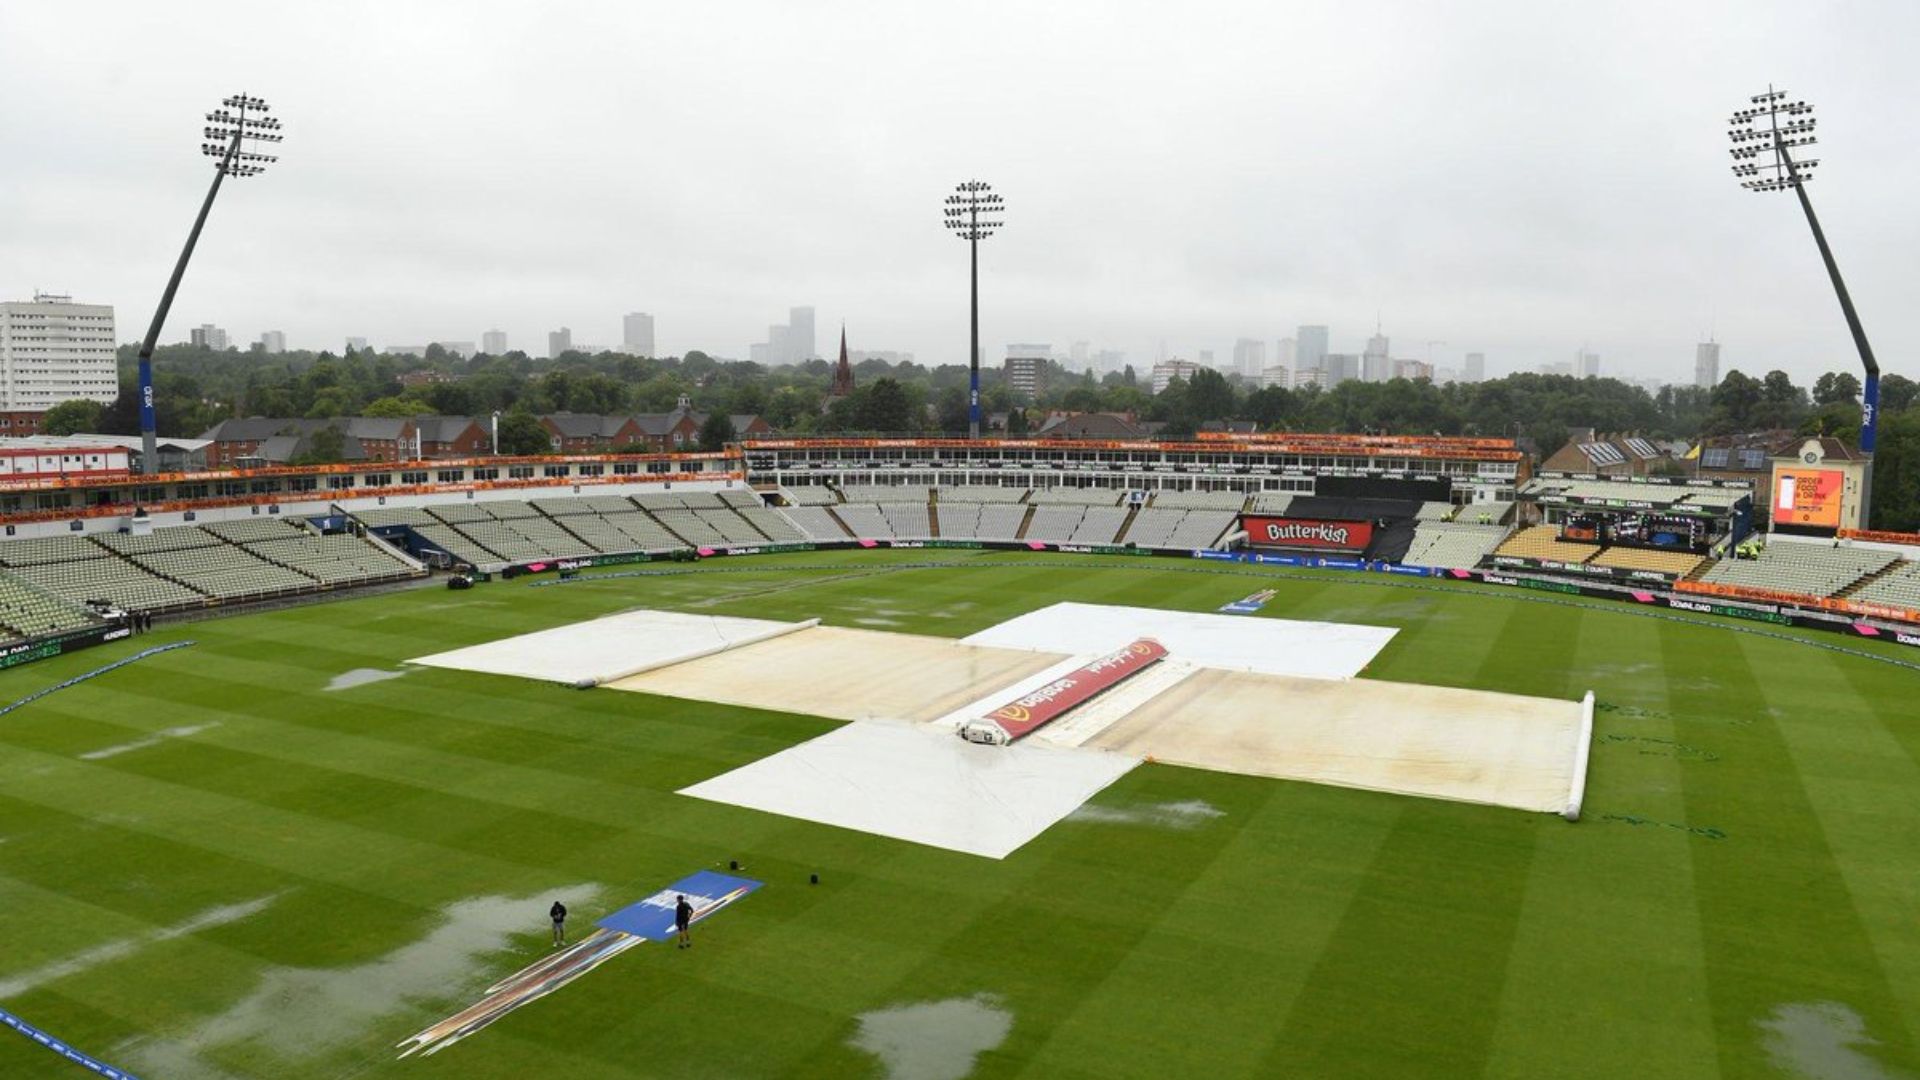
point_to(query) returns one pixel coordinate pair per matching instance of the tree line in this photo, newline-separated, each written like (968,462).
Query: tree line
(196,387)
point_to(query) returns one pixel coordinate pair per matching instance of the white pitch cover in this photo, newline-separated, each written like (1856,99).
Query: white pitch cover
(921,784)
(614,647)
(1311,650)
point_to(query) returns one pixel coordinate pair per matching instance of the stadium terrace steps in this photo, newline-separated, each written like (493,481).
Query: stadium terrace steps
(1543,542)
(810,495)
(1202,528)
(1896,586)
(1052,523)
(817,522)
(1200,500)
(1101,525)
(1676,563)
(1452,547)
(1808,569)
(26,610)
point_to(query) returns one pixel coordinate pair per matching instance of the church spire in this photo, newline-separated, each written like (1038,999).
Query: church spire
(843,371)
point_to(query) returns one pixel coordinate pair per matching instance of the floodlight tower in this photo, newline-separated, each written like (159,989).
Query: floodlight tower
(973,213)
(239,119)
(1764,136)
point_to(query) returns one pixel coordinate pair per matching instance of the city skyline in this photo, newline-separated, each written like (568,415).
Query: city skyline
(1506,241)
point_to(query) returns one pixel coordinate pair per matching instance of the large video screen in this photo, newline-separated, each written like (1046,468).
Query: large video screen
(1808,497)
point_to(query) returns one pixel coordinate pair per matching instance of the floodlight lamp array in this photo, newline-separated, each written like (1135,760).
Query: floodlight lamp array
(973,212)
(230,127)
(1770,129)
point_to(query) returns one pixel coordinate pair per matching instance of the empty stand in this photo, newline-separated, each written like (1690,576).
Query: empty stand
(817,522)
(1200,500)
(1100,525)
(1672,563)
(1452,547)
(1543,542)
(1810,569)
(27,610)
(1055,524)
(1899,587)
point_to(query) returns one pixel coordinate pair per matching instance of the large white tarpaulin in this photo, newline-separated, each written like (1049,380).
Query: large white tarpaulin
(601,650)
(1313,650)
(922,785)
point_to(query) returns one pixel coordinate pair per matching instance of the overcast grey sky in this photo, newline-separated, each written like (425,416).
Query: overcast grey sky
(1517,178)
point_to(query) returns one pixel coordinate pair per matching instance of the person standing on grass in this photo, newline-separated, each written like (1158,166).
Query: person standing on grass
(682,919)
(558,913)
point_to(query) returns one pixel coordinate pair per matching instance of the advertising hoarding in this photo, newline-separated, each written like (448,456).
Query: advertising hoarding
(1808,496)
(1306,533)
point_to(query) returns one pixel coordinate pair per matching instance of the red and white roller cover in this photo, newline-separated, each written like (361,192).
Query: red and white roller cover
(1036,708)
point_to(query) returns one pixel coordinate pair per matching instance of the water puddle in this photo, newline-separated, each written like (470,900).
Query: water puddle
(107,952)
(302,1012)
(1172,815)
(933,1040)
(360,677)
(1823,1040)
(154,739)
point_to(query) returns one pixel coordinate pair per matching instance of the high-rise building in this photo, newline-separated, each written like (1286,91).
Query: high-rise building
(1206,358)
(1706,364)
(800,346)
(1374,365)
(209,336)
(356,344)
(1312,376)
(1586,364)
(1026,367)
(1166,371)
(273,341)
(1250,357)
(637,333)
(54,350)
(494,343)
(1276,375)
(559,341)
(780,343)
(1340,367)
(1476,367)
(1310,347)
(759,353)
(1412,369)
(1285,354)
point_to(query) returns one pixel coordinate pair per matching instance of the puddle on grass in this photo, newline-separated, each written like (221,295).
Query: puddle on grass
(933,1040)
(1823,1040)
(154,739)
(361,676)
(109,951)
(302,1012)
(1172,815)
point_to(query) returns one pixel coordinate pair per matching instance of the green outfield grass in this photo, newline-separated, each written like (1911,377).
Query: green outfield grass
(279,894)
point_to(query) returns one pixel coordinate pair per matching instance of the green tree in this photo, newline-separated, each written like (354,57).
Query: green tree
(1836,386)
(883,406)
(1897,392)
(74,417)
(1016,421)
(521,433)
(328,446)
(394,407)
(1896,473)
(716,432)
(1209,396)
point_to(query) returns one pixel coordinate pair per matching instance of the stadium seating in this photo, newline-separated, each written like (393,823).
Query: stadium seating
(733,528)
(1071,496)
(177,538)
(982,493)
(114,580)
(1055,524)
(1452,547)
(27,611)
(334,560)
(1543,542)
(1434,511)
(1810,569)
(817,522)
(247,530)
(388,516)
(885,493)
(1900,587)
(810,495)
(582,504)
(1153,527)
(1271,502)
(460,513)
(742,500)
(1200,500)
(456,544)
(1676,563)
(908,520)
(224,572)
(1202,528)
(691,527)
(37,550)
(1100,525)
(772,524)
(865,520)
(958,520)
